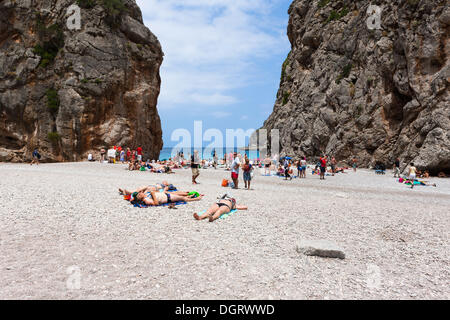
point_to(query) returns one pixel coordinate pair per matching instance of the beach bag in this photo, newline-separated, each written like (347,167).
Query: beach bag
(195,194)
(224,183)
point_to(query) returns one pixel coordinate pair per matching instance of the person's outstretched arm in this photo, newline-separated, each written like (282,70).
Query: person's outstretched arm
(238,207)
(149,202)
(155,200)
(186,199)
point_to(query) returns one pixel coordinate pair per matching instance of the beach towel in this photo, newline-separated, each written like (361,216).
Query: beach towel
(408,182)
(161,205)
(224,216)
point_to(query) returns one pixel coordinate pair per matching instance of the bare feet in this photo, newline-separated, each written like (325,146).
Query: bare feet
(196,216)
(121,191)
(211,218)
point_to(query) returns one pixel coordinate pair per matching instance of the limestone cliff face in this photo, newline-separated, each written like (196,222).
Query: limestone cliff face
(347,90)
(71,92)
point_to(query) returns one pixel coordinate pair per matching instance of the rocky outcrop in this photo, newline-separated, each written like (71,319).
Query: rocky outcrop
(71,92)
(348,89)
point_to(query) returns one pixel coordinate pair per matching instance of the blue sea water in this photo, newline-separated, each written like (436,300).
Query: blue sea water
(206,153)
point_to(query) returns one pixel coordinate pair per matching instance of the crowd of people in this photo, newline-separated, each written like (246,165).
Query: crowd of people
(166,194)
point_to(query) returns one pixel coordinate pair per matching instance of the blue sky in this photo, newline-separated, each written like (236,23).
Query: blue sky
(222,61)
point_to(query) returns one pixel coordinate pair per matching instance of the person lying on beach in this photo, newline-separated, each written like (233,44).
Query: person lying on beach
(134,165)
(158,198)
(161,187)
(221,207)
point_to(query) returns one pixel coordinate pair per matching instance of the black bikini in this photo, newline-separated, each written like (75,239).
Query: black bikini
(233,203)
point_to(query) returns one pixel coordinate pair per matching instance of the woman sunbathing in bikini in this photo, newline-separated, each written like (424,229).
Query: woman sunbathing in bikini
(158,198)
(221,207)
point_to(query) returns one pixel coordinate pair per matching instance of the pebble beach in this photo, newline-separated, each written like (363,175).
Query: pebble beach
(66,233)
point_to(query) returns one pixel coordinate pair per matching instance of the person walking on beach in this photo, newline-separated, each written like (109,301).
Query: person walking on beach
(195,164)
(397,168)
(247,169)
(323,167)
(36,157)
(235,171)
(412,174)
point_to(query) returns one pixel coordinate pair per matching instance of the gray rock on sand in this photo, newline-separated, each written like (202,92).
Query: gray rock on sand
(320,248)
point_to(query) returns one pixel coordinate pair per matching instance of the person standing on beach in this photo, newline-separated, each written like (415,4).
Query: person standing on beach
(139,154)
(333,165)
(286,169)
(102,155)
(267,163)
(355,165)
(299,168)
(195,167)
(247,169)
(323,167)
(235,170)
(122,156)
(397,168)
(303,163)
(412,174)
(215,160)
(128,155)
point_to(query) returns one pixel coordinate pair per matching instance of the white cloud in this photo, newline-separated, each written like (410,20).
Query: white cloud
(221,114)
(211,46)
(213,99)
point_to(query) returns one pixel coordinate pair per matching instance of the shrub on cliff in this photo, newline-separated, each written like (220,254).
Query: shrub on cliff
(86,4)
(52,100)
(51,40)
(53,137)
(114,10)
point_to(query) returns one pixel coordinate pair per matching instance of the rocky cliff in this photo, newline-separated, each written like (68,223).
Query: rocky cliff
(71,91)
(352,88)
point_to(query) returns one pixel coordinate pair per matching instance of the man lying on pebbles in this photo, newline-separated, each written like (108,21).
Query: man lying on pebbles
(158,198)
(225,205)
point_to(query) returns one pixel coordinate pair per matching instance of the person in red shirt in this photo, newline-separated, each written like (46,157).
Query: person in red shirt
(128,154)
(323,167)
(139,153)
